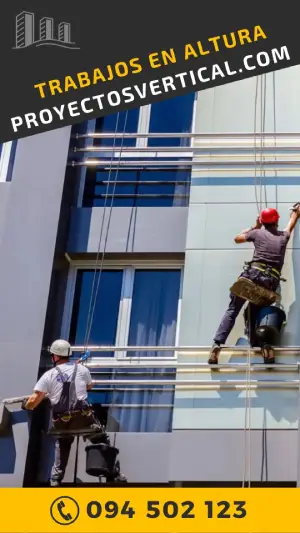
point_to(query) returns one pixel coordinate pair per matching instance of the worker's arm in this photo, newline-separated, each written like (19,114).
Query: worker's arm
(241,237)
(88,379)
(39,392)
(293,221)
(34,400)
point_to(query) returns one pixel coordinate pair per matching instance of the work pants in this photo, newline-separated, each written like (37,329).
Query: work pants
(62,454)
(236,304)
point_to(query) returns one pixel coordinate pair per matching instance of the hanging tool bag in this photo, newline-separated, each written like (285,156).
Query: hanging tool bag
(74,420)
(100,460)
(269,324)
(252,292)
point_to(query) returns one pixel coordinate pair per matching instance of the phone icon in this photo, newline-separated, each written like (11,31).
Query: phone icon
(66,516)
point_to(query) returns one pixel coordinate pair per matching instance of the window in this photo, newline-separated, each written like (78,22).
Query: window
(154,310)
(172,116)
(108,125)
(137,188)
(99,295)
(133,307)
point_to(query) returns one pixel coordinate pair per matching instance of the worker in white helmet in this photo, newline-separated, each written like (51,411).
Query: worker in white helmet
(66,386)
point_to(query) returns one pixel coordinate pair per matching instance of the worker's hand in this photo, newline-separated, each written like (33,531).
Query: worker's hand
(258,224)
(296,209)
(23,405)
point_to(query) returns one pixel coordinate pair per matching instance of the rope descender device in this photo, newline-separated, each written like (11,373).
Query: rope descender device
(84,356)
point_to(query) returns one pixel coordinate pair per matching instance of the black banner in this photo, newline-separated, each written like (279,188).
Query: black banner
(67,62)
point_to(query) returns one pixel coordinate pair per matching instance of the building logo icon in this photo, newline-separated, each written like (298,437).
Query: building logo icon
(25,32)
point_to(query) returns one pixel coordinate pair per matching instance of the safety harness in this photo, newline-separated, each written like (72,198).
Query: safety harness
(264,268)
(69,408)
(255,293)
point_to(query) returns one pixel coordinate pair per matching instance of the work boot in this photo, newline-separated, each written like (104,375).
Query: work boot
(98,438)
(54,483)
(97,435)
(268,354)
(214,354)
(117,475)
(121,478)
(116,478)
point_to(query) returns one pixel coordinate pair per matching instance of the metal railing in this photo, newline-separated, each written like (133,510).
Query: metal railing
(148,365)
(200,152)
(195,135)
(138,188)
(204,166)
(192,384)
(195,349)
(245,150)
(240,151)
(124,364)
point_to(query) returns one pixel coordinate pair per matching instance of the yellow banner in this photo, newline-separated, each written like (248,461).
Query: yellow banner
(149,509)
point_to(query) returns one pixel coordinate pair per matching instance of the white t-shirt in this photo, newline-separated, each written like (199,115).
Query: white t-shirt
(51,382)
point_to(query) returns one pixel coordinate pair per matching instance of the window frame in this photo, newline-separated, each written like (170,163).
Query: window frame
(189,149)
(125,304)
(170,188)
(5,161)
(143,128)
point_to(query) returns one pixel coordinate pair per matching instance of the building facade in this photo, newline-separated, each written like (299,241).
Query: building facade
(119,232)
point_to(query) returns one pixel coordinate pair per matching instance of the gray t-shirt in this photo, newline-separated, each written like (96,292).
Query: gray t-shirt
(270,246)
(51,382)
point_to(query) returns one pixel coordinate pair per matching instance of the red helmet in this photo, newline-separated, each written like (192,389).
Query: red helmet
(269,216)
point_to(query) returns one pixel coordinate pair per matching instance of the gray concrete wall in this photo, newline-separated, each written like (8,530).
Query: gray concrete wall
(135,230)
(26,250)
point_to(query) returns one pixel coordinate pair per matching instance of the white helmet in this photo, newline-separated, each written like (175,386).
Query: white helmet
(61,348)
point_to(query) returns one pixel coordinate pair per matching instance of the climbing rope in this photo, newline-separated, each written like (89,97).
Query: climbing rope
(259,205)
(100,238)
(263,128)
(99,263)
(259,182)
(275,136)
(258,200)
(298,432)
(247,425)
(255,149)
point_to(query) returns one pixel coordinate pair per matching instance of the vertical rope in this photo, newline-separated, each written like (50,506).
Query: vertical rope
(261,143)
(262,187)
(255,147)
(264,129)
(275,136)
(247,425)
(298,431)
(106,236)
(100,237)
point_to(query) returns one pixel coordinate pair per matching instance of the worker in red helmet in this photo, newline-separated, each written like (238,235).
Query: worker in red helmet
(264,270)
